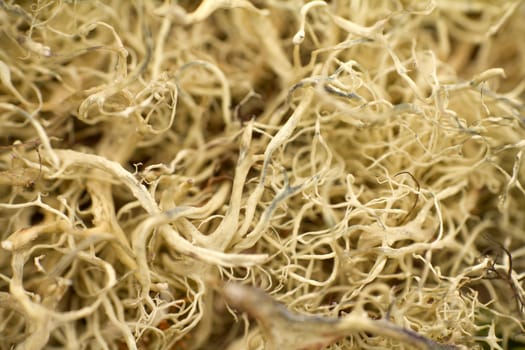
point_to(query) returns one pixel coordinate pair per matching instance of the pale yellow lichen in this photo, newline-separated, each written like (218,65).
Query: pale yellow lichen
(359,162)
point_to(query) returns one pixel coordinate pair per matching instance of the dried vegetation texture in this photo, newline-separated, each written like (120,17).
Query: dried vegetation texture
(359,162)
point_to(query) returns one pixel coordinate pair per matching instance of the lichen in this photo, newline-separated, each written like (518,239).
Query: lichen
(262,174)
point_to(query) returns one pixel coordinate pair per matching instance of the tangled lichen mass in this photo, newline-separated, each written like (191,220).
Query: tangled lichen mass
(262,174)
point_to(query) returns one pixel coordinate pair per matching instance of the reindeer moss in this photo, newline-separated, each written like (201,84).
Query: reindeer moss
(242,175)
